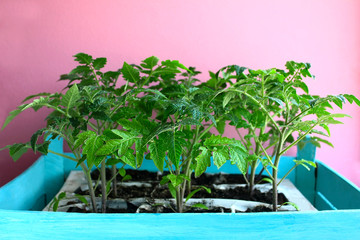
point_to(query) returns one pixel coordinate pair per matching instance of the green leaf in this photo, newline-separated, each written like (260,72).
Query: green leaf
(202,161)
(11,116)
(190,195)
(71,98)
(339,115)
(352,98)
(292,204)
(238,157)
(220,156)
(17,150)
(129,158)
(92,145)
(158,153)
(174,145)
(44,94)
(190,121)
(305,163)
(36,104)
(34,139)
(82,137)
(323,141)
(172,190)
(228,97)
(220,126)
(99,63)
(199,205)
(82,199)
(218,140)
(80,70)
(150,62)
(44,147)
(130,73)
(122,172)
(83,58)
(175,180)
(109,147)
(278,101)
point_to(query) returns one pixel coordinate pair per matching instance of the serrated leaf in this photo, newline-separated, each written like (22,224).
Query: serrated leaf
(83,58)
(352,98)
(82,137)
(71,98)
(80,70)
(202,161)
(129,158)
(91,146)
(228,96)
(11,116)
(99,63)
(34,138)
(130,73)
(150,62)
(238,157)
(140,151)
(218,140)
(44,94)
(17,150)
(174,145)
(220,156)
(109,147)
(158,153)
(175,180)
(44,147)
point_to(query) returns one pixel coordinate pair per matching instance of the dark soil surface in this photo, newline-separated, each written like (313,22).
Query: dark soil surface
(157,191)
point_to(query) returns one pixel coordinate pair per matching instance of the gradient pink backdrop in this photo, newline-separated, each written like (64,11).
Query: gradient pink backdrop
(38,39)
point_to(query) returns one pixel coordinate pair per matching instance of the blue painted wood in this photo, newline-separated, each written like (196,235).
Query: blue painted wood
(336,189)
(319,225)
(27,191)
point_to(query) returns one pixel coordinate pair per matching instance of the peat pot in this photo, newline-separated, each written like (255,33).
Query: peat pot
(336,200)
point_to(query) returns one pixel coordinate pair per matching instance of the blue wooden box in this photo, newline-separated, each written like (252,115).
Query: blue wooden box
(323,187)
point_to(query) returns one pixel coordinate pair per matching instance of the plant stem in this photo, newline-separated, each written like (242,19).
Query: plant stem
(103,186)
(275,169)
(63,155)
(91,189)
(179,200)
(114,173)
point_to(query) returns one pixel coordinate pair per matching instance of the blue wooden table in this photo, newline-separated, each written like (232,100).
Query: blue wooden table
(44,225)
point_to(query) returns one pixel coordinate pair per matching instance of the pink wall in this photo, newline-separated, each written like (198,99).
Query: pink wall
(38,38)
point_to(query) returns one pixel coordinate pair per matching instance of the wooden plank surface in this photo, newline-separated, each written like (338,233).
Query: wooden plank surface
(45,225)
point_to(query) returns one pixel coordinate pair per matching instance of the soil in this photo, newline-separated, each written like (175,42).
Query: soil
(157,191)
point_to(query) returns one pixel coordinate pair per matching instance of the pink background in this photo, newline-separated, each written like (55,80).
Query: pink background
(38,39)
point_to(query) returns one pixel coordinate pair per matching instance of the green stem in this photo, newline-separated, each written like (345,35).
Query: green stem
(299,139)
(287,173)
(103,186)
(63,155)
(90,185)
(261,106)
